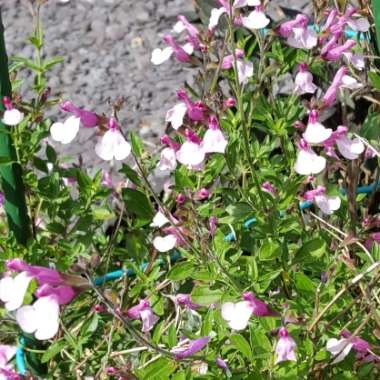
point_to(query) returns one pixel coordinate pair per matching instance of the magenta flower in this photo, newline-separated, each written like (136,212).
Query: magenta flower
(259,308)
(184,300)
(190,349)
(222,364)
(144,312)
(87,118)
(269,188)
(228,60)
(64,293)
(332,91)
(285,347)
(12,116)
(201,194)
(337,52)
(327,204)
(196,111)
(2,199)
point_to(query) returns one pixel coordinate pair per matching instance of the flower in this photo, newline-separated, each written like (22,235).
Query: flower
(196,111)
(41,318)
(298,34)
(269,188)
(65,132)
(245,71)
(304,81)
(339,349)
(159,220)
(327,204)
(308,162)
(256,19)
(358,24)
(331,93)
(87,118)
(222,364)
(237,314)
(334,53)
(285,346)
(144,312)
(315,132)
(190,349)
(113,144)
(13,290)
(214,140)
(175,115)
(181,53)
(259,308)
(185,301)
(191,153)
(165,243)
(12,116)
(6,369)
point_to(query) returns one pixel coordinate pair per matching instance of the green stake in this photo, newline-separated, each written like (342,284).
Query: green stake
(376,14)
(10,174)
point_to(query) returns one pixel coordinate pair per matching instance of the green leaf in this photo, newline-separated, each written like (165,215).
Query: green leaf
(137,145)
(138,203)
(242,345)
(374,79)
(312,250)
(204,296)
(130,174)
(303,283)
(240,211)
(181,271)
(53,350)
(370,129)
(159,369)
(102,214)
(270,250)
(376,13)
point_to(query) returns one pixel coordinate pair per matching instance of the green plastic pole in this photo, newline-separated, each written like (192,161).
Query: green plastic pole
(10,174)
(376,14)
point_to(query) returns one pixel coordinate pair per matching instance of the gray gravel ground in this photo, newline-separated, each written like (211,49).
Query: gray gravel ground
(107,46)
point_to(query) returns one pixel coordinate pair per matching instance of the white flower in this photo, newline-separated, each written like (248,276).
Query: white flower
(216,13)
(41,318)
(350,83)
(13,290)
(245,71)
(214,141)
(175,115)
(308,162)
(350,149)
(256,20)
(316,133)
(191,154)
(65,132)
(237,314)
(164,244)
(327,204)
(159,220)
(113,145)
(160,56)
(334,346)
(168,160)
(12,117)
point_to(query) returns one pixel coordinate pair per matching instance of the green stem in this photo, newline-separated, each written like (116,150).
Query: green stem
(10,174)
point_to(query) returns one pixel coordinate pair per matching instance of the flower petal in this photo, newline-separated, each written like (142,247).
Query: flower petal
(164,244)
(176,115)
(12,117)
(308,162)
(160,56)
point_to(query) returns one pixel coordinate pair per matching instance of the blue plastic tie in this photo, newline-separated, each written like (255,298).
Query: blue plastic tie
(20,357)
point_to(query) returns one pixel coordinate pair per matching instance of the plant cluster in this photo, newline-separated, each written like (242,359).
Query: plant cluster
(259,258)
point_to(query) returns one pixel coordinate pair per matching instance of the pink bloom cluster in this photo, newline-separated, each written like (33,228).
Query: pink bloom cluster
(41,318)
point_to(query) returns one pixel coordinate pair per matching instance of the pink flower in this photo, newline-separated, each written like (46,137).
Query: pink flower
(87,118)
(184,300)
(190,349)
(332,91)
(269,188)
(2,199)
(327,204)
(107,179)
(63,293)
(337,52)
(6,369)
(349,149)
(285,347)
(113,144)
(259,308)
(304,81)
(315,132)
(228,60)
(144,312)
(245,71)
(196,111)
(201,194)
(12,116)
(298,34)
(214,140)
(212,223)
(355,22)
(338,348)
(184,24)
(175,115)
(229,102)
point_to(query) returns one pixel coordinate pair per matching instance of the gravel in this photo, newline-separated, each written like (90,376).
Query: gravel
(107,45)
